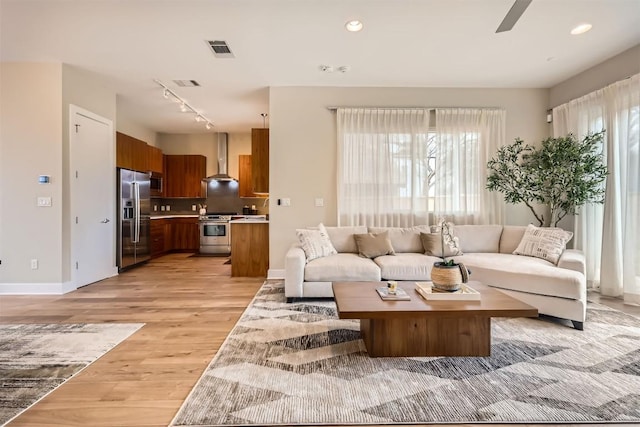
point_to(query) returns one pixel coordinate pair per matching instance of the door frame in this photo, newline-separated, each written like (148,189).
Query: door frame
(74,200)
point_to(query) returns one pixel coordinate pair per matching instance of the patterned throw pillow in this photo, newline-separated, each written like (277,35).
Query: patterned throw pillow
(543,242)
(315,243)
(374,245)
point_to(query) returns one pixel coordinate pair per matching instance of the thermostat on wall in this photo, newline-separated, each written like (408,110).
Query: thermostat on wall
(44,179)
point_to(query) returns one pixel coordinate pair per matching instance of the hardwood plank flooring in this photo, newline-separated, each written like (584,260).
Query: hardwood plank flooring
(188,305)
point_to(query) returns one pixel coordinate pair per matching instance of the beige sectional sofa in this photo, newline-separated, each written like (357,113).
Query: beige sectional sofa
(556,290)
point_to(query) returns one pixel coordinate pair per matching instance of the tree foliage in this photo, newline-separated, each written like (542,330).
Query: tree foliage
(563,174)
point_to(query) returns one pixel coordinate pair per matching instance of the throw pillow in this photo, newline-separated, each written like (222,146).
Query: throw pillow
(373,245)
(315,243)
(433,246)
(543,242)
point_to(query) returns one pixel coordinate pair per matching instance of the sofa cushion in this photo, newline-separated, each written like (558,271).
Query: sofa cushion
(315,243)
(342,237)
(511,236)
(406,266)
(524,274)
(403,239)
(433,246)
(345,267)
(543,242)
(478,238)
(373,245)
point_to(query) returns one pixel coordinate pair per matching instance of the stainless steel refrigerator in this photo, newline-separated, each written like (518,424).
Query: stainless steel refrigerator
(134,221)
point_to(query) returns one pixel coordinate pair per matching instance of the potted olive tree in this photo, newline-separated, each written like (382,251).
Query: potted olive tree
(562,175)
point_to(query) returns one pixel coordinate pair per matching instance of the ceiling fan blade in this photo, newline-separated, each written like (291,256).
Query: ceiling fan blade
(513,15)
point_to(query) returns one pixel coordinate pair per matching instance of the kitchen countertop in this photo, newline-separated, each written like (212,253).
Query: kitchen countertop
(174,216)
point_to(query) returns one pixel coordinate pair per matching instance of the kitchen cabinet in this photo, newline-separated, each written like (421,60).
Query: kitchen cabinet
(159,242)
(174,234)
(156,163)
(185,235)
(131,153)
(245,183)
(260,160)
(183,175)
(249,249)
(137,155)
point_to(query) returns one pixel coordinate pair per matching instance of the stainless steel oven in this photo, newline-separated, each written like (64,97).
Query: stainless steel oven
(215,234)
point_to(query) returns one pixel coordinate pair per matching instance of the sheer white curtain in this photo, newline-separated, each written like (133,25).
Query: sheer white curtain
(618,108)
(581,117)
(379,183)
(466,139)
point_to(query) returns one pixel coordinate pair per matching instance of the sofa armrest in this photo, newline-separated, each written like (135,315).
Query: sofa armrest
(573,259)
(294,263)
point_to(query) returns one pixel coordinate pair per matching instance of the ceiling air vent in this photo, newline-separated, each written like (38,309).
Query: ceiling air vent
(220,49)
(186,83)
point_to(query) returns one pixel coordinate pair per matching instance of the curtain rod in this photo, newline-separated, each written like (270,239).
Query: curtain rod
(410,108)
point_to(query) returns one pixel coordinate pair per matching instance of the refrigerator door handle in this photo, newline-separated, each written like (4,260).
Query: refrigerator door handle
(136,212)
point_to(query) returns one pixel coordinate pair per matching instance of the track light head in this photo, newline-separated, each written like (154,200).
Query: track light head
(165,94)
(183,107)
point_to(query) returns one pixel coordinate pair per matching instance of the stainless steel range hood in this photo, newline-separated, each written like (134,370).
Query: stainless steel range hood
(223,158)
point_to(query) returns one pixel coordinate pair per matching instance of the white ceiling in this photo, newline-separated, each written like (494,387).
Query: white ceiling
(404,43)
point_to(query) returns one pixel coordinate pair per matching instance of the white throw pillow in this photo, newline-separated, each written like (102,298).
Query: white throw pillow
(315,243)
(543,242)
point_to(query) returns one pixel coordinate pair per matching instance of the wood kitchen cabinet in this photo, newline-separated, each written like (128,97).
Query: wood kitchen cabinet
(137,155)
(174,234)
(185,234)
(183,175)
(260,160)
(245,183)
(249,249)
(156,162)
(159,244)
(131,153)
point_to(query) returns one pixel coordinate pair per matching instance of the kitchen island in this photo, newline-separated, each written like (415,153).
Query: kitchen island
(249,247)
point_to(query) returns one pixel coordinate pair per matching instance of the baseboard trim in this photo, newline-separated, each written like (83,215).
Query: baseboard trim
(275,273)
(36,288)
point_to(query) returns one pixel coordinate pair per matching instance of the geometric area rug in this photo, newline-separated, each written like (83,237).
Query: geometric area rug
(35,359)
(299,364)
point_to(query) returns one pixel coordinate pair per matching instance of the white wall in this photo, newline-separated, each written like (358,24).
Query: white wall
(206,144)
(125,125)
(30,145)
(610,71)
(34,140)
(303,144)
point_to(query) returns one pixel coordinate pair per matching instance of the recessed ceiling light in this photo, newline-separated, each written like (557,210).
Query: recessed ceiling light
(353,26)
(581,29)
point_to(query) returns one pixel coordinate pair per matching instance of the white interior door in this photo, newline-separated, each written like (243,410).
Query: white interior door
(92,197)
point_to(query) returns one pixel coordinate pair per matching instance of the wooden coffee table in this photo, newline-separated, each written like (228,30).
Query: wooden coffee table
(425,328)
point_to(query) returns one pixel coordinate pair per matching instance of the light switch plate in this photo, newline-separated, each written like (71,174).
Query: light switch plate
(44,201)
(319,202)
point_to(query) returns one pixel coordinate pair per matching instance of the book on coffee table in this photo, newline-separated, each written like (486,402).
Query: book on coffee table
(400,294)
(429,292)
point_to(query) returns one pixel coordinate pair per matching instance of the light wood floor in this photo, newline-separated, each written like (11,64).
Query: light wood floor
(189,305)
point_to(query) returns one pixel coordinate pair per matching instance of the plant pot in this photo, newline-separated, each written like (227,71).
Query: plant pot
(449,277)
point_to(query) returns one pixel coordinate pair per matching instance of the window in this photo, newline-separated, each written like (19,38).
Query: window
(396,170)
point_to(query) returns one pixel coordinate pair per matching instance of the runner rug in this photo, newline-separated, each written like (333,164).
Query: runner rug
(299,364)
(35,359)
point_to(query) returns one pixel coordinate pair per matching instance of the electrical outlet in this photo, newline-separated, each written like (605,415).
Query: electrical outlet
(162,208)
(34,264)
(193,208)
(155,208)
(168,208)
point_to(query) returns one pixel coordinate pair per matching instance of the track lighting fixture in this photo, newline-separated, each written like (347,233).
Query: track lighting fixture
(184,105)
